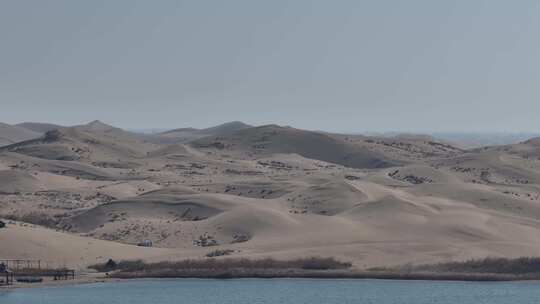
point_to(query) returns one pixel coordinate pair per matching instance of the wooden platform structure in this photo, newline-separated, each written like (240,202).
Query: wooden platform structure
(7,278)
(20,264)
(21,269)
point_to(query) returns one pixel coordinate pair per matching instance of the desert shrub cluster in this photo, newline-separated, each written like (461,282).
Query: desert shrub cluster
(311,263)
(523,265)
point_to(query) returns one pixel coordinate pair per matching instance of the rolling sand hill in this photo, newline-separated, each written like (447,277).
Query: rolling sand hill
(272,139)
(12,134)
(95,142)
(83,194)
(39,127)
(184,135)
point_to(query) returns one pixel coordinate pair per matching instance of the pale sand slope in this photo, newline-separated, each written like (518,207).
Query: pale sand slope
(386,231)
(39,127)
(267,191)
(58,249)
(184,135)
(12,134)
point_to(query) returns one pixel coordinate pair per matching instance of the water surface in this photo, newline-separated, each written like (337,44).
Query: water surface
(279,291)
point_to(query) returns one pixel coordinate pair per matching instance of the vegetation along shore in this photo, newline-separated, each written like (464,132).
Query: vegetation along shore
(488,269)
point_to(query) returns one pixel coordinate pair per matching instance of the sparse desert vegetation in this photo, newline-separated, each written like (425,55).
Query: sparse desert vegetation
(517,266)
(485,269)
(73,195)
(220,267)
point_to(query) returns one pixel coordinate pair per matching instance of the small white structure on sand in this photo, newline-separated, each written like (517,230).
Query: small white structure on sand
(145,243)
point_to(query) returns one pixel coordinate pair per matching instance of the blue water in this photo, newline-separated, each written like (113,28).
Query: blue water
(279,291)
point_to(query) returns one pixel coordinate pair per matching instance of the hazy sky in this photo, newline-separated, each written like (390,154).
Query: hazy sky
(333,65)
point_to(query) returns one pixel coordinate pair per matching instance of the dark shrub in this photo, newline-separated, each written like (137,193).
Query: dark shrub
(518,266)
(34,218)
(110,265)
(225,265)
(323,264)
(219,252)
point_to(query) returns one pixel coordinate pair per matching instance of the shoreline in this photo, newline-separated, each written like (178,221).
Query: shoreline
(443,277)
(84,278)
(149,273)
(360,275)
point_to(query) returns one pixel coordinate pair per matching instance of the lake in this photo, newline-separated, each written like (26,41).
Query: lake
(279,291)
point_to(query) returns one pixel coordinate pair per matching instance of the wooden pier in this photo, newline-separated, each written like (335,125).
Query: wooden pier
(19,264)
(7,277)
(15,269)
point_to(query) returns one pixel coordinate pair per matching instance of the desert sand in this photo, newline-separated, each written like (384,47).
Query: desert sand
(80,195)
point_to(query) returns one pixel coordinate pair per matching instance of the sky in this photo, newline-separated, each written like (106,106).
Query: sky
(351,66)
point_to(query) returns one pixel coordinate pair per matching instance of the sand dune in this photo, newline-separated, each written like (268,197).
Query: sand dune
(13,134)
(184,135)
(58,249)
(39,127)
(272,139)
(150,206)
(12,181)
(94,142)
(90,192)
